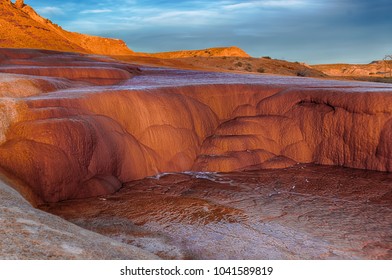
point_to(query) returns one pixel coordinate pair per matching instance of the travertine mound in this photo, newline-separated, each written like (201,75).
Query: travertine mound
(66,66)
(87,140)
(22,27)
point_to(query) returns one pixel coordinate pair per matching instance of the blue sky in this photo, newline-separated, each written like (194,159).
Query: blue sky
(312,31)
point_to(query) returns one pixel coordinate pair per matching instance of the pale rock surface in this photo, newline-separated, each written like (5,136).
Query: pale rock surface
(28,233)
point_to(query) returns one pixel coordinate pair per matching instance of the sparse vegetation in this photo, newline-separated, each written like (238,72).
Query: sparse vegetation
(238,64)
(266,57)
(248,67)
(302,73)
(261,70)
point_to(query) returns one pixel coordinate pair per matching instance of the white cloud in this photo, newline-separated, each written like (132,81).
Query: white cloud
(50,11)
(97,11)
(265,4)
(196,17)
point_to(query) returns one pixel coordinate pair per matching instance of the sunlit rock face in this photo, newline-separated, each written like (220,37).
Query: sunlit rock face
(85,125)
(19,3)
(22,27)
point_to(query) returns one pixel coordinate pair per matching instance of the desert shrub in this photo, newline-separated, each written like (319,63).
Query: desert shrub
(239,64)
(260,70)
(248,67)
(302,73)
(267,57)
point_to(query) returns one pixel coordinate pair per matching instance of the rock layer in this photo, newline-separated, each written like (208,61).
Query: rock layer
(84,135)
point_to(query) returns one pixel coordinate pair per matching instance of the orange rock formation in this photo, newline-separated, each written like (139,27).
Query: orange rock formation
(74,136)
(22,27)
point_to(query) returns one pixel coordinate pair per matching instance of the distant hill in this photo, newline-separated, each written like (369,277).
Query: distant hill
(22,27)
(233,64)
(211,52)
(373,69)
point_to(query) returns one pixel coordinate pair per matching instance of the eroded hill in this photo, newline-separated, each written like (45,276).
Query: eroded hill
(22,27)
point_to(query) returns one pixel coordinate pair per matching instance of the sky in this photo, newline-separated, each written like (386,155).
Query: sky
(311,31)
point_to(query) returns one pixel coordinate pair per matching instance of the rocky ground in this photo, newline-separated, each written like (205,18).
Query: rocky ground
(302,212)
